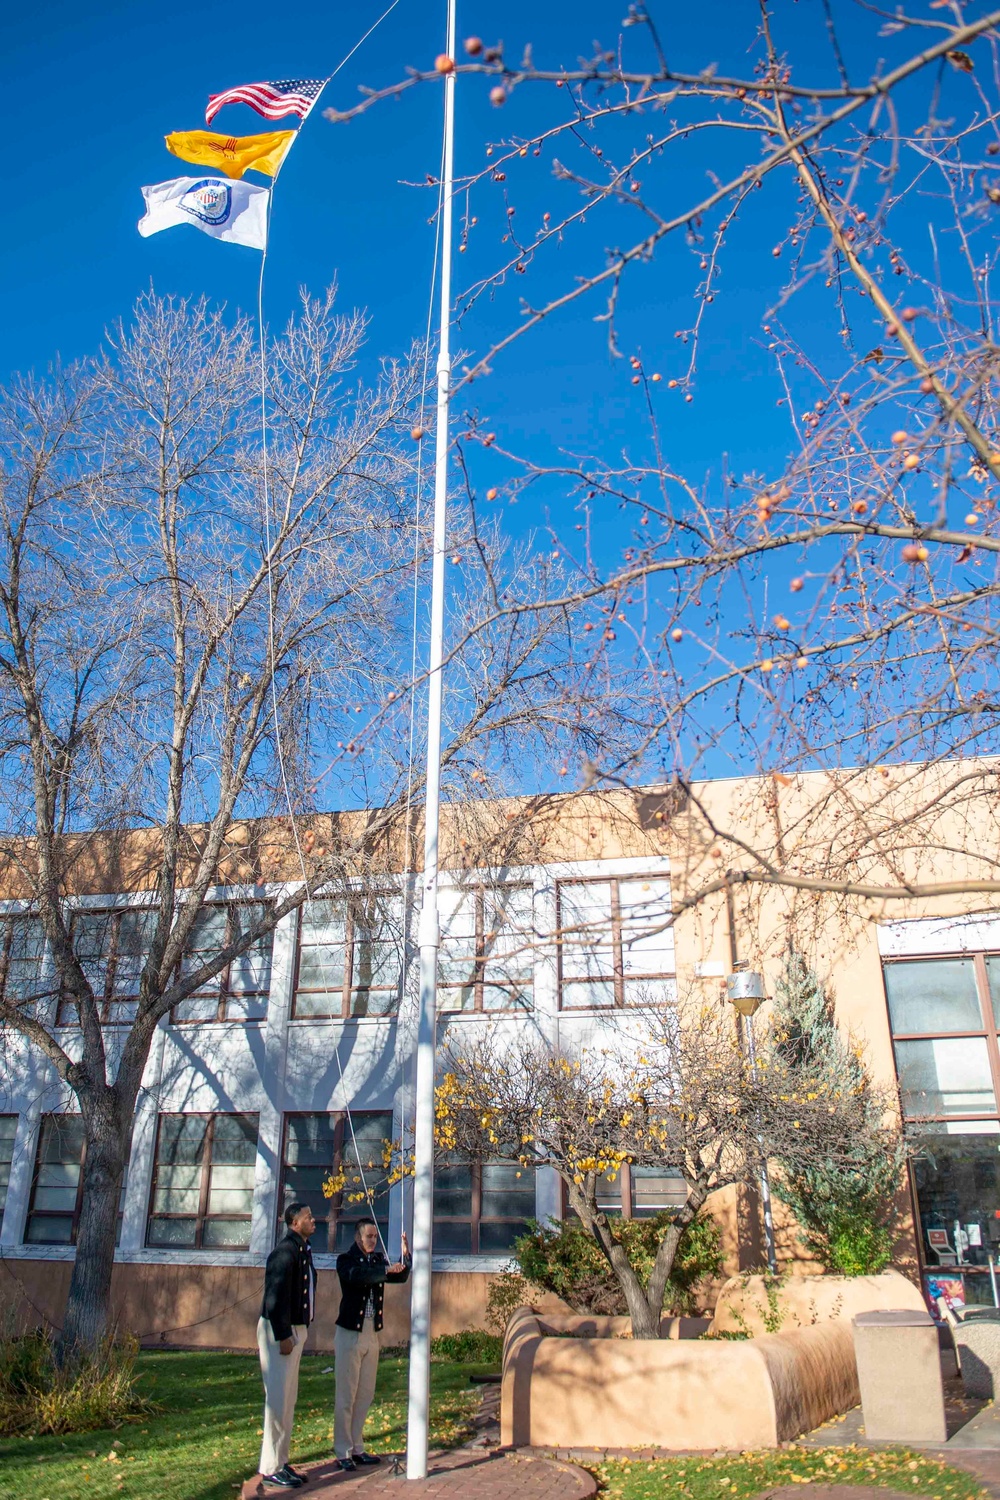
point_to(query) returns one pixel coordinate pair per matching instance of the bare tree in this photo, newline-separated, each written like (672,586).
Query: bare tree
(674,1089)
(200,638)
(835,608)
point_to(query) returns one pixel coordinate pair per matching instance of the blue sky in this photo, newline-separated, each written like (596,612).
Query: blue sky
(102,84)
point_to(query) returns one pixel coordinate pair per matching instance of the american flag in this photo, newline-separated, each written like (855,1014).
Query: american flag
(289,96)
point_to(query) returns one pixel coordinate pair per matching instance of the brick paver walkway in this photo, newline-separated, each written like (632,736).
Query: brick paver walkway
(452,1476)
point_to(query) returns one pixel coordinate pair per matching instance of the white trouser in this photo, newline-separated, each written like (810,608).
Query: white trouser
(281,1386)
(356,1366)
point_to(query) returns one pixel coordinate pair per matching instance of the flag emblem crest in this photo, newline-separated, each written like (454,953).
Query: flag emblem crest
(209,200)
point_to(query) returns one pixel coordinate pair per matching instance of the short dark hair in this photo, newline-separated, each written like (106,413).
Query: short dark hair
(292,1212)
(362,1222)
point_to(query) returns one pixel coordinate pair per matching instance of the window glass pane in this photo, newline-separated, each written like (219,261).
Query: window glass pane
(206,940)
(515,996)
(945,1077)
(323,922)
(936,994)
(56,1185)
(182,1138)
(458,919)
(321,968)
(496,1236)
(92,942)
(24,946)
(246,1007)
(309,1140)
(366,1139)
(198,1008)
(508,948)
(957,1180)
(457,966)
(234,1140)
(56,1180)
(231,1190)
(585,911)
(178,1189)
(61,1138)
(208,934)
(650,991)
(49,1230)
(320,1003)
(993,974)
(647,937)
(226,1234)
(586,947)
(135,934)
(377,964)
(452,996)
(165,1233)
(655,1189)
(508,1191)
(452,1191)
(250,973)
(583,995)
(452,1237)
(122,1012)
(8,1132)
(609,1192)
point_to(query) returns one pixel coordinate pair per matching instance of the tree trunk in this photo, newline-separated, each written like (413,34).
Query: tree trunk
(645,1318)
(88,1305)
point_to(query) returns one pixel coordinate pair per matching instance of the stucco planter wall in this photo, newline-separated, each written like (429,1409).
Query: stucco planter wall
(574,1382)
(804,1300)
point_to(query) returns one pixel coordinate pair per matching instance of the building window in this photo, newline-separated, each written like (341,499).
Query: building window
(8,1132)
(480,1208)
(616,944)
(320,1147)
(943,1013)
(487,949)
(240,991)
(57,1184)
(22,952)
(203,1179)
(112,946)
(56,1189)
(350,957)
(637,1192)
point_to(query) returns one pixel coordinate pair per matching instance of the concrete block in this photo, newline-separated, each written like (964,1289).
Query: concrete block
(978,1344)
(899,1373)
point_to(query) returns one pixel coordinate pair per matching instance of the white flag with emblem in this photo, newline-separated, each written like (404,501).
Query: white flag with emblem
(228,210)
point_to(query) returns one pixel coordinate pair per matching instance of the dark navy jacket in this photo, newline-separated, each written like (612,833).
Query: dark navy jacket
(289,1285)
(361,1274)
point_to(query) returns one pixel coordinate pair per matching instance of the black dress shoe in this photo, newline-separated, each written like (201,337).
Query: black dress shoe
(347,1463)
(283,1480)
(367,1458)
(293,1474)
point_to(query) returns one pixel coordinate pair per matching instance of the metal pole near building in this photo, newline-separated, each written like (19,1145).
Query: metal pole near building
(418,1415)
(746,992)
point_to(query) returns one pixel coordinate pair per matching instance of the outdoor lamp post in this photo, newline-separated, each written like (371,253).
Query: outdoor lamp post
(745,992)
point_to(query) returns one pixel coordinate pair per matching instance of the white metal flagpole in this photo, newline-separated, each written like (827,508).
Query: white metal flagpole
(423,1133)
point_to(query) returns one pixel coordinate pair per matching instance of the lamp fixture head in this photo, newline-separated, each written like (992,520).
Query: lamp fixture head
(745,991)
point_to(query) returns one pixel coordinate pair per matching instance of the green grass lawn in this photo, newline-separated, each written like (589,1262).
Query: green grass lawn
(206,1440)
(746,1474)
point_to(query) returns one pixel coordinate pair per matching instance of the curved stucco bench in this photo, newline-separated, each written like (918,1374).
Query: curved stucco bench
(612,1392)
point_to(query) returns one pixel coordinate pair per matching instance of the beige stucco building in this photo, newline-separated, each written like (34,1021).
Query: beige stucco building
(557,914)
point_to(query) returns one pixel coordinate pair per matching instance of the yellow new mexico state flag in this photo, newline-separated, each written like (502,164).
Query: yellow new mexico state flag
(232,154)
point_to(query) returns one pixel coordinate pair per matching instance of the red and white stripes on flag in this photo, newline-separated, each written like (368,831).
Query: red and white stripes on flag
(288,96)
